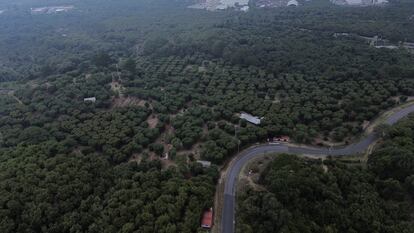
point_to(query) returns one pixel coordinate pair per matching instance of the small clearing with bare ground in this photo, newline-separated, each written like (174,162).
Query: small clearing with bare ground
(167,163)
(256,167)
(116,87)
(11,93)
(152,121)
(250,174)
(135,158)
(121,101)
(128,102)
(325,168)
(194,150)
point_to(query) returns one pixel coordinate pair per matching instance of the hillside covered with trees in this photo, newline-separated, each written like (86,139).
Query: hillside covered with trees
(105,108)
(46,188)
(301,196)
(193,76)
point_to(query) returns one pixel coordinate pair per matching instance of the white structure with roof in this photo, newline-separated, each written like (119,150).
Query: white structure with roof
(245,8)
(90,99)
(250,118)
(293,3)
(204,163)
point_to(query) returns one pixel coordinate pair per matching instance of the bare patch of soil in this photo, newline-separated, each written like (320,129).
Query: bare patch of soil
(11,93)
(248,181)
(365,125)
(116,87)
(202,69)
(33,84)
(167,163)
(135,158)
(77,151)
(121,102)
(325,168)
(195,150)
(152,121)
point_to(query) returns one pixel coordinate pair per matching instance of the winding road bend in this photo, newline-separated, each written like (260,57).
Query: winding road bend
(228,212)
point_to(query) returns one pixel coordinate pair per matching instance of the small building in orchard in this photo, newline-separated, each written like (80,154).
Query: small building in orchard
(293,3)
(205,164)
(207,220)
(90,99)
(250,118)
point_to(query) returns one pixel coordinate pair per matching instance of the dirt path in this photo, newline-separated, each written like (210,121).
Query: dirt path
(11,93)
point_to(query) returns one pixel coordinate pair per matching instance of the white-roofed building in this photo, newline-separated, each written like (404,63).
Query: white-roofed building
(293,3)
(204,163)
(250,118)
(90,99)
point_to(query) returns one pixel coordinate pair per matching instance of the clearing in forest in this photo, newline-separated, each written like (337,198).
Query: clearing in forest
(121,102)
(116,87)
(152,121)
(11,93)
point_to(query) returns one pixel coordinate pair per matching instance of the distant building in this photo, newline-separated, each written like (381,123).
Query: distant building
(207,221)
(293,3)
(245,8)
(250,118)
(360,2)
(51,9)
(408,45)
(205,164)
(90,99)
(379,1)
(336,35)
(386,46)
(39,10)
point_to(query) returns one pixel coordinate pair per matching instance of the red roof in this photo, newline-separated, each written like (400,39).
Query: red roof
(207,220)
(282,138)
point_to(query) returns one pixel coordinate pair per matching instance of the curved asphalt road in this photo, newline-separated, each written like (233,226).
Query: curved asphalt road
(228,214)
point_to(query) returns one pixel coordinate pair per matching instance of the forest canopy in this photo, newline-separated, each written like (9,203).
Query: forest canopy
(107,108)
(47,189)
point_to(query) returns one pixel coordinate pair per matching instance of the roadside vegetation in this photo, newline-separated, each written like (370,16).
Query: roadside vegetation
(306,195)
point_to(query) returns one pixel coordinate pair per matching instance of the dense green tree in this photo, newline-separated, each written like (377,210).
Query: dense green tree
(44,190)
